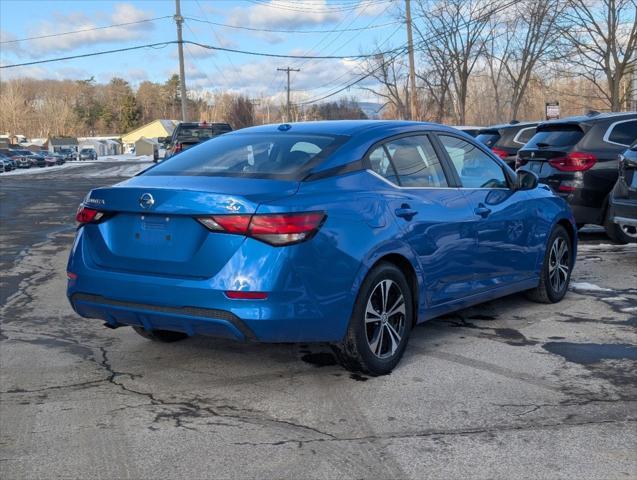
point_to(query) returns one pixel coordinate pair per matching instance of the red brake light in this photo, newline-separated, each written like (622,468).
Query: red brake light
(275,229)
(232,223)
(87,215)
(500,153)
(178,147)
(574,162)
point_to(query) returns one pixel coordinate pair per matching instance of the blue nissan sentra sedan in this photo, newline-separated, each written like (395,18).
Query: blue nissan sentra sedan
(347,232)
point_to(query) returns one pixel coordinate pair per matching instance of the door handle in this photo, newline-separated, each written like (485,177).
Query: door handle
(482,211)
(405,211)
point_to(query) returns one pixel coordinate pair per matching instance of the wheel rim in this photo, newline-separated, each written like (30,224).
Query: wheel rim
(385,318)
(629,230)
(559,264)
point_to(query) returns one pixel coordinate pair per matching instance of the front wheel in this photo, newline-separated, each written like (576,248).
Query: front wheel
(556,269)
(380,325)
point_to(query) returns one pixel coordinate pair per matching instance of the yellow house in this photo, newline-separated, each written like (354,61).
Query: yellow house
(154,129)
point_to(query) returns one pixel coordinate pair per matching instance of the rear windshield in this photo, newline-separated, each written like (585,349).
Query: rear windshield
(201,132)
(488,138)
(255,155)
(564,137)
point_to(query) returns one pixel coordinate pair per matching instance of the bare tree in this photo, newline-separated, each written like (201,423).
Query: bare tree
(521,36)
(602,35)
(459,28)
(391,73)
(435,76)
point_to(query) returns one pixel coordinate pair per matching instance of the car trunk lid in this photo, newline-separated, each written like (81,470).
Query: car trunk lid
(150,224)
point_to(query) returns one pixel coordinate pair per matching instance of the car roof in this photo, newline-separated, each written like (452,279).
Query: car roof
(504,126)
(343,127)
(592,118)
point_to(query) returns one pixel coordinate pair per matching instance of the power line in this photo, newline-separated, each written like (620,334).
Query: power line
(85,30)
(273,30)
(209,47)
(404,49)
(323,8)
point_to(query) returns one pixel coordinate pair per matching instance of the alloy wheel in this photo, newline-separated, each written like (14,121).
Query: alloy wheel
(559,264)
(385,318)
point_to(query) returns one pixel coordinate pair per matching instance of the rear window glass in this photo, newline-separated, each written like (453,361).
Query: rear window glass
(555,138)
(255,155)
(201,132)
(488,139)
(624,133)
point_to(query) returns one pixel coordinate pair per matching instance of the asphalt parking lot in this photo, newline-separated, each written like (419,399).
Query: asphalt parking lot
(507,389)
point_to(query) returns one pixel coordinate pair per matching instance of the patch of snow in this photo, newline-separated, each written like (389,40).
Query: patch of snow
(36,170)
(615,299)
(584,286)
(628,309)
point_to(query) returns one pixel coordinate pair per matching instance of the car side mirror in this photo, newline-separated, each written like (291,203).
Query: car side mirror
(525,180)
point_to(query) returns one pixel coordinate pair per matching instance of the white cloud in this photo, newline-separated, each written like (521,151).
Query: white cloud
(61,22)
(285,14)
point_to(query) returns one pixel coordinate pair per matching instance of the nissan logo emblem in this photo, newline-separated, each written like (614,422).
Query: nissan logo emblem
(146,200)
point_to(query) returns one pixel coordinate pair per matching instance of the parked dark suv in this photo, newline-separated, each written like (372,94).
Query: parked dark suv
(578,158)
(505,140)
(622,210)
(187,135)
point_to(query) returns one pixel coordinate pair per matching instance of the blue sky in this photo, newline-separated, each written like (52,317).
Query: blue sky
(205,69)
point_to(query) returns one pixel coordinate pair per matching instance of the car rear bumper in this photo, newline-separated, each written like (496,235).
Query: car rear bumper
(301,306)
(623,211)
(190,320)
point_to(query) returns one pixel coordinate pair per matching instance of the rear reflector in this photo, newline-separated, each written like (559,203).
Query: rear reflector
(500,153)
(71,275)
(574,162)
(87,215)
(243,295)
(566,188)
(275,229)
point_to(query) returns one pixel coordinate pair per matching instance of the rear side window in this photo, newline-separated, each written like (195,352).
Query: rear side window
(475,168)
(556,137)
(623,133)
(524,135)
(416,162)
(381,164)
(255,155)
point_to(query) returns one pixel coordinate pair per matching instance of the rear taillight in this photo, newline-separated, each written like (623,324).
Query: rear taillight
(500,153)
(178,147)
(275,229)
(574,162)
(519,162)
(87,215)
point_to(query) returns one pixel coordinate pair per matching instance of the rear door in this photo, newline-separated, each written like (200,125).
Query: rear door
(432,213)
(502,220)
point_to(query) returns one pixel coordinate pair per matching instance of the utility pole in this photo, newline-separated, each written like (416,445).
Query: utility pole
(288,70)
(179,20)
(412,71)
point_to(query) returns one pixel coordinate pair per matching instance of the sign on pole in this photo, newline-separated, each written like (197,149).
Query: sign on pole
(552,110)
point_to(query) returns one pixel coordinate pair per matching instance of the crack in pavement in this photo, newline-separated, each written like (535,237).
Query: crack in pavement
(439,433)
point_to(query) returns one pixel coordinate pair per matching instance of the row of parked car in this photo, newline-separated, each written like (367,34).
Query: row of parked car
(589,160)
(12,158)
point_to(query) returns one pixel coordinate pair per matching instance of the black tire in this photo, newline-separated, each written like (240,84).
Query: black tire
(165,336)
(546,291)
(355,351)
